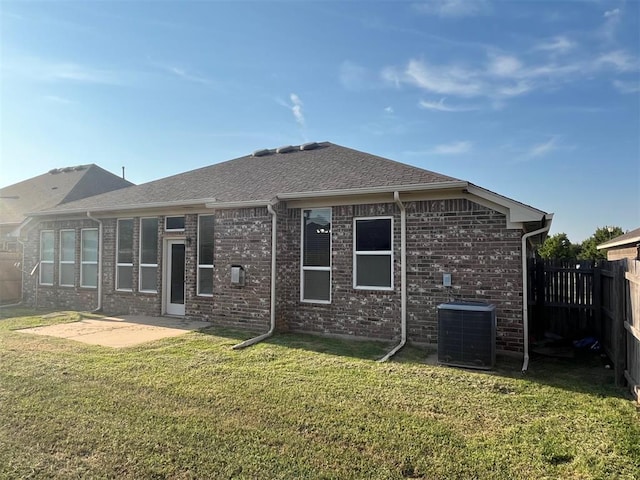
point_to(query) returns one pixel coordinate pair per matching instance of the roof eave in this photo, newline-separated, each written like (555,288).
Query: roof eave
(113,208)
(629,241)
(448,185)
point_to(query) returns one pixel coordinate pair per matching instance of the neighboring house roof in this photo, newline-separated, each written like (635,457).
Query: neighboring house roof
(288,173)
(56,187)
(630,238)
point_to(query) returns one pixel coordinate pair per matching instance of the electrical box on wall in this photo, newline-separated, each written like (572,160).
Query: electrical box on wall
(237,275)
(446,279)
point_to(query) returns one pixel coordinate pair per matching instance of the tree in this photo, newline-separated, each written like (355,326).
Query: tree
(558,246)
(588,249)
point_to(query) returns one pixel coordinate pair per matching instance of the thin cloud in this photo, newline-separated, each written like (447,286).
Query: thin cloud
(440,106)
(627,86)
(454,148)
(452,8)
(180,72)
(542,149)
(296,109)
(502,77)
(59,100)
(610,26)
(40,70)
(556,45)
(618,59)
(388,110)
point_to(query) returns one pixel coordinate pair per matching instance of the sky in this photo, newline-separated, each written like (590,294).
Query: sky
(538,101)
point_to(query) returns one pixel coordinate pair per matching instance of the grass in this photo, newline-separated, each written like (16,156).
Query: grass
(297,406)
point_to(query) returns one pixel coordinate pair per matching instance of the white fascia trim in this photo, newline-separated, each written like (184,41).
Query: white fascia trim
(631,242)
(241,204)
(453,184)
(137,206)
(517,213)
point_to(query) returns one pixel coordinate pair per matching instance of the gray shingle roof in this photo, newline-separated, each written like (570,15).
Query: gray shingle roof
(58,186)
(258,178)
(629,238)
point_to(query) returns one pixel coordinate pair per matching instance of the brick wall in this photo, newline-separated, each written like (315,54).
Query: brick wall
(55,296)
(241,237)
(467,240)
(460,237)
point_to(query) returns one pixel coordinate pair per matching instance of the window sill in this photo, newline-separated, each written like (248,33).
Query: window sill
(316,302)
(374,289)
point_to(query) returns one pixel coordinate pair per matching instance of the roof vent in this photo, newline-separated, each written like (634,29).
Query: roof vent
(309,146)
(286,149)
(67,169)
(80,168)
(261,153)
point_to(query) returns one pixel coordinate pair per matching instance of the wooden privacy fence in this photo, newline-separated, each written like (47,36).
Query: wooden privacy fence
(562,298)
(10,278)
(574,299)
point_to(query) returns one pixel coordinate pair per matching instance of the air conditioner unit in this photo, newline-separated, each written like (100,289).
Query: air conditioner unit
(467,334)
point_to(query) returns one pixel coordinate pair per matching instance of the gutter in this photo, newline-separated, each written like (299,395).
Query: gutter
(272,328)
(453,184)
(403,280)
(525,291)
(99,308)
(120,208)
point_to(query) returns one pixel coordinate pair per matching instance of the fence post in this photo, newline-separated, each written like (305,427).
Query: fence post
(620,338)
(596,299)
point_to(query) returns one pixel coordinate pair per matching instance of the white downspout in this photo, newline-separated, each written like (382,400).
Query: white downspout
(272,328)
(99,308)
(525,293)
(403,279)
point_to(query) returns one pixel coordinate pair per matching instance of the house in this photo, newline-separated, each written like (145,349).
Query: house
(315,238)
(44,192)
(623,246)
(56,187)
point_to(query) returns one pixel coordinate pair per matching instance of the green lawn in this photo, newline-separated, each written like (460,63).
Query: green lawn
(298,407)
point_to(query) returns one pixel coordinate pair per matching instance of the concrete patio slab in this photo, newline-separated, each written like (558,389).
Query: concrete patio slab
(118,332)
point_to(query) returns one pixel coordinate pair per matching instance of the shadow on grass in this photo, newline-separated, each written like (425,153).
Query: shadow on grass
(584,374)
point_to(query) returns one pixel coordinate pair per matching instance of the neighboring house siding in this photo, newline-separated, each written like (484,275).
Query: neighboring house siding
(618,253)
(55,296)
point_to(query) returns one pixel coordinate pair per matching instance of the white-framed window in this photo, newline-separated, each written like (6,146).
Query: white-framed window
(373,253)
(174,224)
(47,240)
(315,276)
(89,258)
(148,255)
(124,255)
(67,258)
(205,255)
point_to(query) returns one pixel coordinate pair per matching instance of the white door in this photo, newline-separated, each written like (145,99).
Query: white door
(174,277)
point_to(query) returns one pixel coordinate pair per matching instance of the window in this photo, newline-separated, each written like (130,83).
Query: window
(174,224)
(205,254)
(89,258)
(149,255)
(124,260)
(67,258)
(373,253)
(316,255)
(47,240)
